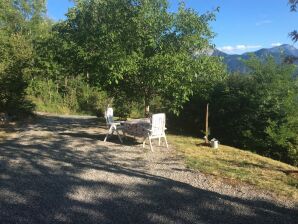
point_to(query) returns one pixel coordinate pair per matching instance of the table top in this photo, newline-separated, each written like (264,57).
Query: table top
(136,127)
(137,121)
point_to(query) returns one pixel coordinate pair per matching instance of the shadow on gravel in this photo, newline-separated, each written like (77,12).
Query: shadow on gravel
(38,181)
(127,140)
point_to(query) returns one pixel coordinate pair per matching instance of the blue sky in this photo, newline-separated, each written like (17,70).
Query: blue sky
(240,26)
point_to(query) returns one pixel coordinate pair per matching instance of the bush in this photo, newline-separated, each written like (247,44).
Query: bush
(15,61)
(258,112)
(74,96)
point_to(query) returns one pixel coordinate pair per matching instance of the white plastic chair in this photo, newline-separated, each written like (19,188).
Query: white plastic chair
(158,127)
(113,126)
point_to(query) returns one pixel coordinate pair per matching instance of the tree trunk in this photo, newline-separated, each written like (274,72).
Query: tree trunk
(88,87)
(147,107)
(49,90)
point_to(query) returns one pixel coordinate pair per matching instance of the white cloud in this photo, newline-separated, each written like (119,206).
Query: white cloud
(226,48)
(238,48)
(276,44)
(263,22)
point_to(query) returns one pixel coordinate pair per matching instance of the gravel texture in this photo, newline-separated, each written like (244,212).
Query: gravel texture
(59,170)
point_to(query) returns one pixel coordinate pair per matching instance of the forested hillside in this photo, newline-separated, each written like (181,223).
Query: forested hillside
(133,54)
(281,54)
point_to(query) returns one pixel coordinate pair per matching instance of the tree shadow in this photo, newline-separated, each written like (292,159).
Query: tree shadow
(53,182)
(82,134)
(126,140)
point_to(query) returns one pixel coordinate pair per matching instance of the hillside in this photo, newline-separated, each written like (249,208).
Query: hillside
(239,166)
(235,62)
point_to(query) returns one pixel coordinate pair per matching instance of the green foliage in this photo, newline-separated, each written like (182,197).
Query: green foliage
(73,96)
(15,61)
(258,111)
(20,23)
(125,107)
(26,17)
(139,48)
(293,6)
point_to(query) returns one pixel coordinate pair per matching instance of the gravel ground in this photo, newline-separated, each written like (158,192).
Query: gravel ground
(58,170)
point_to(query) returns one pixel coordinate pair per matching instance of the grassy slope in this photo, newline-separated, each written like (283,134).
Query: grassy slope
(239,165)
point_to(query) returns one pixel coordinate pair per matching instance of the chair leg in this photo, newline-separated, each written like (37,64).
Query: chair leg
(119,136)
(158,141)
(123,133)
(106,137)
(150,144)
(110,129)
(144,140)
(166,141)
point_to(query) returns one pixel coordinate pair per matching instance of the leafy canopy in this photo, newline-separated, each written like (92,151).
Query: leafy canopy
(20,23)
(138,47)
(259,111)
(293,6)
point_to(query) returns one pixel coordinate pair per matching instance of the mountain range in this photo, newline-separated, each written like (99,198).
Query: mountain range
(235,62)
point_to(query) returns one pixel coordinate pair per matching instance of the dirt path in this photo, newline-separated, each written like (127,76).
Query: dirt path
(58,170)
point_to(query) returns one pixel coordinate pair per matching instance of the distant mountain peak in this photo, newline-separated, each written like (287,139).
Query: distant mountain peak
(287,46)
(235,62)
(284,48)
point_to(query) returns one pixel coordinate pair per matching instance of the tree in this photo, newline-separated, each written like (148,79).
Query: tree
(14,63)
(18,24)
(139,48)
(293,6)
(259,111)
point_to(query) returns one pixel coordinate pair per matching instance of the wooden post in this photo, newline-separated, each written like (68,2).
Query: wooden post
(207,125)
(147,108)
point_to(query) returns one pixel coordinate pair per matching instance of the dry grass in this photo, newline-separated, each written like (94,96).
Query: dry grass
(239,165)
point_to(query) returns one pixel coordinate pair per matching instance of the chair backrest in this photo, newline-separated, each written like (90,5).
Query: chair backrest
(109,115)
(158,124)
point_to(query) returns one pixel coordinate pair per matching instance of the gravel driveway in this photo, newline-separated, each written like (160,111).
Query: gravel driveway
(59,170)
